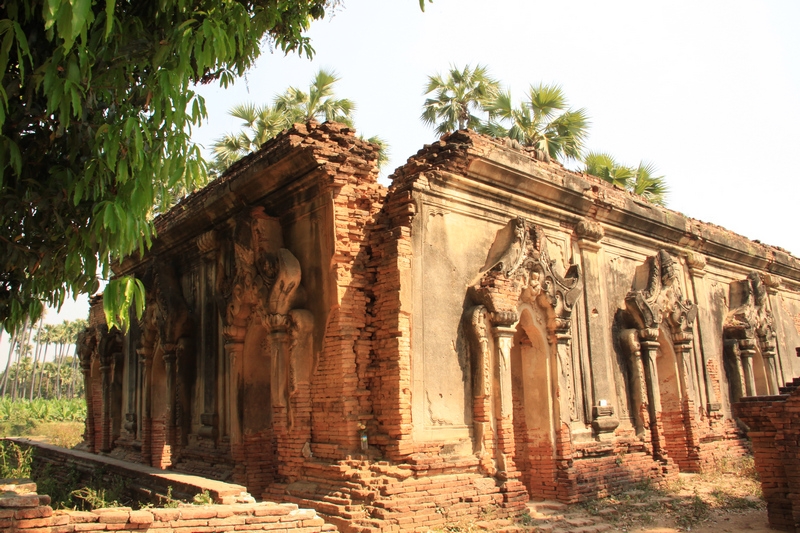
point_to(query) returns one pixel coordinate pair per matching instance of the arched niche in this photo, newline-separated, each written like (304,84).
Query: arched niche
(656,332)
(521,333)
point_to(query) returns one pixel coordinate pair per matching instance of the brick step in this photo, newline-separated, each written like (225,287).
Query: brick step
(547,504)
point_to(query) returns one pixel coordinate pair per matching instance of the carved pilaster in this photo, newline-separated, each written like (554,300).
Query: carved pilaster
(696,264)
(170,356)
(503,339)
(109,350)
(589,234)
(649,352)
(483,377)
(208,245)
(603,396)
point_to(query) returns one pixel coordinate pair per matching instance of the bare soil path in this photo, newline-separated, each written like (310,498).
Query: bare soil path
(727,500)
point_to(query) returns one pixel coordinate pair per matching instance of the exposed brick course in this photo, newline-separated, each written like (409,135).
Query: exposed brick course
(210,518)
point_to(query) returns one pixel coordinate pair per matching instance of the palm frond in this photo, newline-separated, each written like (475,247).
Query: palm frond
(646,184)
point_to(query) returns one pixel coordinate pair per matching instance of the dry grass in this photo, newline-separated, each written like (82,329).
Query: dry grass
(732,486)
(64,434)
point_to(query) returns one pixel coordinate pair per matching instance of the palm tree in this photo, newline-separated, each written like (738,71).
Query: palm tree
(640,180)
(543,121)
(318,103)
(262,123)
(456,98)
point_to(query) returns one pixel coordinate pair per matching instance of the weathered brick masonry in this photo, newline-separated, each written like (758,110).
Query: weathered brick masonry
(774,430)
(490,328)
(23,510)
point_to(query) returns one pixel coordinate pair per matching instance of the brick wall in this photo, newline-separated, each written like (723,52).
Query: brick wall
(23,510)
(774,431)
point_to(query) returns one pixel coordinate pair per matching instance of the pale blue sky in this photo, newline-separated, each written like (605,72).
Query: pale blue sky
(708,91)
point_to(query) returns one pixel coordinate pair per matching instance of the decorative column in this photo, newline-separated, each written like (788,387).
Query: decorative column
(598,324)
(110,350)
(773,285)
(562,340)
(682,341)
(208,246)
(146,369)
(106,365)
(629,338)
(484,376)
(170,356)
(696,264)
(648,340)
(86,349)
(747,349)
(503,338)
(234,350)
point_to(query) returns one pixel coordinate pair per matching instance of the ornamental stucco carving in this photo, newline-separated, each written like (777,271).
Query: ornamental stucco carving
(519,269)
(661,300)
(749,317)
(748,328)
(265,289)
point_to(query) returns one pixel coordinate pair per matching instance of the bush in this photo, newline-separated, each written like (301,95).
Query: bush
(15,462)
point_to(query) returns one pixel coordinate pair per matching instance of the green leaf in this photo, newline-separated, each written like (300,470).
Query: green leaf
(109,17)
(50,11)
(81,10)
(78,195)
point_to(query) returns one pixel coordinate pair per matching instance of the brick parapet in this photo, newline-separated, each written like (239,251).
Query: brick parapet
(23,510)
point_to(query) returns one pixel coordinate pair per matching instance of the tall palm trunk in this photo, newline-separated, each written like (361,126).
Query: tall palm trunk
(8,363)
(73,373)
(38,338)
(61,354)
(41,372)
(22,342)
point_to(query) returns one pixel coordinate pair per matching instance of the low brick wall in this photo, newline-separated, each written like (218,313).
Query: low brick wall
(144,483)
(774,430)
(23,510)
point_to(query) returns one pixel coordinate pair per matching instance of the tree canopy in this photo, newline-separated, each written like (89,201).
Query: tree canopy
(543,121)
(470,98)
(261,123)
(96,110)
(456,97)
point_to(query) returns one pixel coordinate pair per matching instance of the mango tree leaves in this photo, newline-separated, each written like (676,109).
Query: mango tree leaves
(96,106)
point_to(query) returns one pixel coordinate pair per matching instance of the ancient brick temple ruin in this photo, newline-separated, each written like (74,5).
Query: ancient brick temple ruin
(490,329)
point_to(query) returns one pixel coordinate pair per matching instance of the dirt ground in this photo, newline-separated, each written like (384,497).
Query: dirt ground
(721,502)
(725,500)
